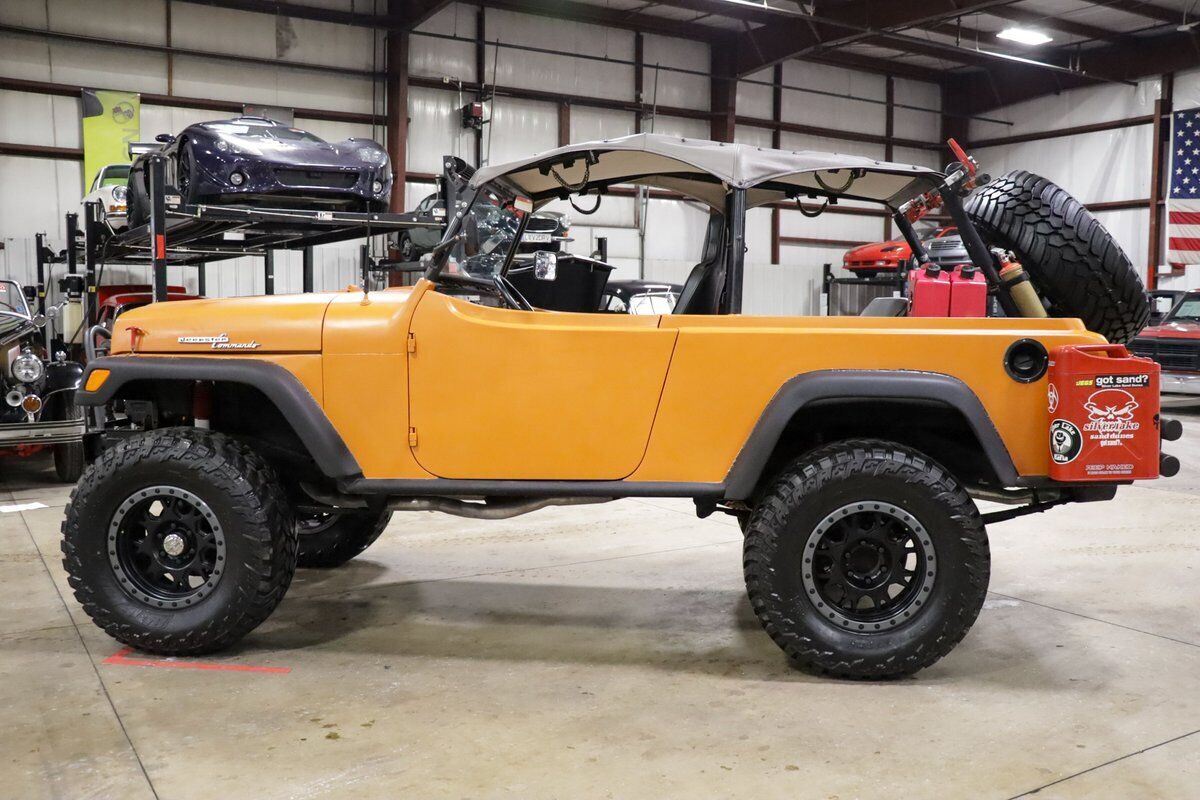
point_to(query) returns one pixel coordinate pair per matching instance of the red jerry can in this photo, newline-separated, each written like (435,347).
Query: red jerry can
(929,292)
(1104,420)
(968,292)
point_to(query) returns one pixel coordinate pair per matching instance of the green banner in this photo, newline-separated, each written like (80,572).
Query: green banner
(111,120)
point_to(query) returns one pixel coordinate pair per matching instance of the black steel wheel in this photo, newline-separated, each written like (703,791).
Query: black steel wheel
(331,538)
(179,541)
(166,546)
(869,564)
(865,559)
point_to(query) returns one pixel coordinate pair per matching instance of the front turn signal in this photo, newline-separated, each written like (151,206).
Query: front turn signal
(96,379)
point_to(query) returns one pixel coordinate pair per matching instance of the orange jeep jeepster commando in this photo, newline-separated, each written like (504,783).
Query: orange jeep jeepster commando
(243,437)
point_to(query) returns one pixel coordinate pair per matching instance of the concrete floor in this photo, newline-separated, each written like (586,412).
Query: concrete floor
(609,652)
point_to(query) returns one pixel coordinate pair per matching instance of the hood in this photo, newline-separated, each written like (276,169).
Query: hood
(228,326)
(1172,330)
(875,250)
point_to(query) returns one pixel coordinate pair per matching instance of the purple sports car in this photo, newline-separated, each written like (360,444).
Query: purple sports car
(261,161)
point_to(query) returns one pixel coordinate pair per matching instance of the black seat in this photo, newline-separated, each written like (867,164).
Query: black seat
(705,284)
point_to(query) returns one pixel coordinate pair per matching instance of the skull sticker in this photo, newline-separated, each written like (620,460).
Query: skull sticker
(1111,406)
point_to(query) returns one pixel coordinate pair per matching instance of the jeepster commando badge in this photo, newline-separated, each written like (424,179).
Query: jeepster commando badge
(219,342)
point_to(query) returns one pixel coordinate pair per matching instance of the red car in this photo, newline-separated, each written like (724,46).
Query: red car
(114,300)
(868,260)
(1175,345)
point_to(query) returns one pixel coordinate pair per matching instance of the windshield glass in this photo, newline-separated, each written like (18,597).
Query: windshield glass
(1188,310)
(277,132)
(115,175)
(12,301)
(491,230)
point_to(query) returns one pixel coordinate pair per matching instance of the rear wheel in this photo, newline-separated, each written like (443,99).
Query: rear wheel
(185,172)
(139,197)
(408,250)
(178,541)
(330,539)
(1074,263)
(866,559)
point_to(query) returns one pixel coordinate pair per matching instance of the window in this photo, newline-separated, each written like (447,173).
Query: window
(1189,309)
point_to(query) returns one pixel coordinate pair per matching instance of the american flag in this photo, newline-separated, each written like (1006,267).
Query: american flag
(1183,200)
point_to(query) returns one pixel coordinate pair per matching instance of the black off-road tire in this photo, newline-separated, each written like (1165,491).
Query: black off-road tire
(138,212)
(791,512)
(339,539)
(69,458)
(1074,263)
(408,250)
(246,497)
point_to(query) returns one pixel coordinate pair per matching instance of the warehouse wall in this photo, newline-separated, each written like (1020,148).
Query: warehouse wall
(1103,166)
(673,230)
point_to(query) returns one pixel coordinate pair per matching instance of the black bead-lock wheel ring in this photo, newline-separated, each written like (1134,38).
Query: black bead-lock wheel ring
(905,604)
(136,585)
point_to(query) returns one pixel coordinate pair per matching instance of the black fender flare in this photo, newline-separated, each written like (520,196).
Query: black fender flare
(802,390)
(63,375)
(281,387)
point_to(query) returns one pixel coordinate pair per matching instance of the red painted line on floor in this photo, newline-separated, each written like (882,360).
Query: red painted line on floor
(121,659)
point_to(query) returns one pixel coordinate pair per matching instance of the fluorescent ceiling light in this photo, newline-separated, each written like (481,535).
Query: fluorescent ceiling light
(1023,36)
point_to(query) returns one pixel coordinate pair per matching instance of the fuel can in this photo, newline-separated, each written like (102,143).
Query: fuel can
(968,292)
(929,292)
(1104,414)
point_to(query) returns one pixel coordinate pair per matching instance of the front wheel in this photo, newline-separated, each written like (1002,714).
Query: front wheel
(178,541)
(866,559)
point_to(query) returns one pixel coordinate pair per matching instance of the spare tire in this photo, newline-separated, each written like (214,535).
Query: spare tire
(1074,263)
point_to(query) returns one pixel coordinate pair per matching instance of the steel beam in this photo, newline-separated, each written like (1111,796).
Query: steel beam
(1158,169)
(397,112)
(158,227)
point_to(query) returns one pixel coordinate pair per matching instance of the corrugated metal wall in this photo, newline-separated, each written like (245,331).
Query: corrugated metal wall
(35,193)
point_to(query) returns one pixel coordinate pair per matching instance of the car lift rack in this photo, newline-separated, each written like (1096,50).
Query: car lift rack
(179,235)
(895,281)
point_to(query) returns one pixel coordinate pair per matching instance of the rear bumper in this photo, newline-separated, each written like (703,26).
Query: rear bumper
(64,431)
(1180,382)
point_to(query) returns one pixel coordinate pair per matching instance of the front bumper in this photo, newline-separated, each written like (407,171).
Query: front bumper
(66,431)
(1180,383)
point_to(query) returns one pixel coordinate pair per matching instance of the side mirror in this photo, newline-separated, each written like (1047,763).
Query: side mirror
(165,138)
(545,265)
(39,320)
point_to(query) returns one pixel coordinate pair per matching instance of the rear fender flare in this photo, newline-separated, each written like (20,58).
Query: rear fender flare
(802,390)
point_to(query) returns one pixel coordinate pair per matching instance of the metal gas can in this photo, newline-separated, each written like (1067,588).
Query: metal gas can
(1104,414)
(929,292)
(968,292)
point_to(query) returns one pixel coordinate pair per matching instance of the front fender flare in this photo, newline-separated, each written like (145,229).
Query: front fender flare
(280,386)
(802,390)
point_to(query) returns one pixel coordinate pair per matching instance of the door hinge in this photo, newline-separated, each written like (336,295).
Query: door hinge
(412,343)
(412,437)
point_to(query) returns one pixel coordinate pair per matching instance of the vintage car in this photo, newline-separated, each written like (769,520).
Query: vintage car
(850,451)
(110,191)
(39,408)
(640,297)
(261,161)
(1175,344)
(868,260)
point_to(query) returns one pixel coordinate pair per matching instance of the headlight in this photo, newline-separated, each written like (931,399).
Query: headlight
(372,155)
(377,186)
(27,368)
(120,193)
(222,145)
(237,178)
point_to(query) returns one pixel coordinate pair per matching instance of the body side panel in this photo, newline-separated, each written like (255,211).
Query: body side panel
(725,372)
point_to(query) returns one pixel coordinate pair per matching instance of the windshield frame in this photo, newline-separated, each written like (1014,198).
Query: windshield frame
(498,186)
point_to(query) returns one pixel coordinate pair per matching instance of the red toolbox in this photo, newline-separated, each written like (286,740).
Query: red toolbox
(1104,414)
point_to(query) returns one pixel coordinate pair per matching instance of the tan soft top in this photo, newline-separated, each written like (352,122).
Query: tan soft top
(707,170)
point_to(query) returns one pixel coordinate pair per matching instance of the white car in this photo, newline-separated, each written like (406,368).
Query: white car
(110,191)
